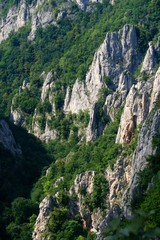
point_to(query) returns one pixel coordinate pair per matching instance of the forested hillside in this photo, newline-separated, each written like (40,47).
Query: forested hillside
(80,143)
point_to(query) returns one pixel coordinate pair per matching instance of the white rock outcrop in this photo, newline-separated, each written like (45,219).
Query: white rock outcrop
(84,186)
(141,99)
(156,90)
(135,110)
(39,13)
(149,61)
(144,149)
(115,56)
(45,207)
(83,4)
(47,85)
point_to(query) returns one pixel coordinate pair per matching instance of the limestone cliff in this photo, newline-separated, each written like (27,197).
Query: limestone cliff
(114,59)
(45,207)
(124,181)
(112,68)
(144,149)
(122,79)
(140,96)
(39,13)
(112,72)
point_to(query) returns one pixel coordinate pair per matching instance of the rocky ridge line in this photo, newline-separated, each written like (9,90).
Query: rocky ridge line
(39,13)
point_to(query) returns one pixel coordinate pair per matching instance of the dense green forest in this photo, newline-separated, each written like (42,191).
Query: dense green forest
(55,48)
(67,49)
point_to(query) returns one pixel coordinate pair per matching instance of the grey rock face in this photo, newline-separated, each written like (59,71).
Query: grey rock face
(47,134)
(149,60)
(39,14)
(47,85)
(140,100)
(45,207)
(116,55)
(16,18)
(144,149)
(83,188)
(46,95)
(95,126)
(156,90)
(115,100)
(83,4)
(115,212)
(17,116)
(123,179)
(118,179)
(135,111)
(116,58)
(7,139)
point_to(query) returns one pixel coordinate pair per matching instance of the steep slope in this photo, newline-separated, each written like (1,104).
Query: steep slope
(84,80)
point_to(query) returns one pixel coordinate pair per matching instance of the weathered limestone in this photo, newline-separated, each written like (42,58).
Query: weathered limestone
(45,207)
(144,149)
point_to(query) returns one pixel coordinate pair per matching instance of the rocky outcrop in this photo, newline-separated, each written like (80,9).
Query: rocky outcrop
(17,116)
(15,19)
(115,100)
(45,208)
(144,149)
(115,212)
(95,126)
(39,13)
(83,4)
(47,85)
(7,139)
(135,111)
(141,99)
(156,91)
(149,60)
(115,60)
(118,179)
(124,178)
(46,95)
(116,55)
(46,134)
(83,188)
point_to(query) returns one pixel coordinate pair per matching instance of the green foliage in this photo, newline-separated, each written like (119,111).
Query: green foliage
(134,229)
(82,118)
(72,159)
(17,177)
(44,107)
(146,175)
(101,188)
(67,50)
(152,203)
(22,211)
(61,226)
(56,48)
(107,80)
(102,95)
(57,218)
